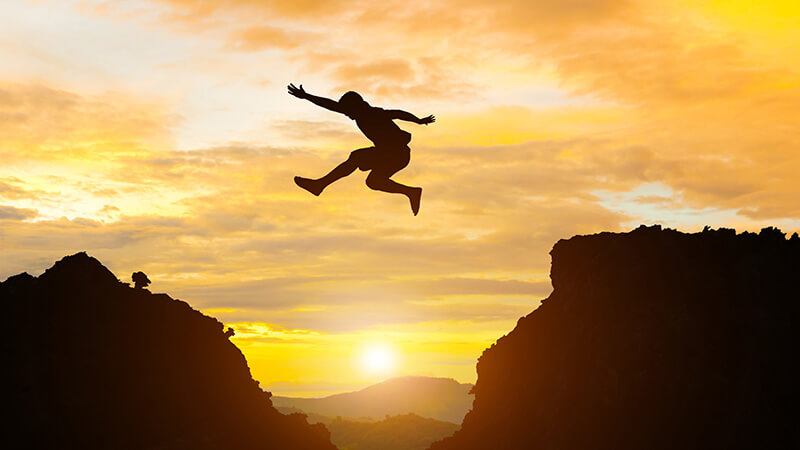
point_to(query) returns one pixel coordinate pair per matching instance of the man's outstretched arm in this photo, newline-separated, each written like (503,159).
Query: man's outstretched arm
(326,103)
(408,117)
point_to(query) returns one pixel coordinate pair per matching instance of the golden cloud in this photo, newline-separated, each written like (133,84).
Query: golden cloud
(40,121)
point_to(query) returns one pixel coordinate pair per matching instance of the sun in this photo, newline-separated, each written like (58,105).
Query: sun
(378,359)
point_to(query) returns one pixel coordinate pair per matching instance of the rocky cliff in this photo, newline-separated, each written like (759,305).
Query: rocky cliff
(650,339)
(89,362)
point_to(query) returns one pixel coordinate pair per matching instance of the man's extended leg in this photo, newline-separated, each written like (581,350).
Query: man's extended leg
(342,170)
(381,182)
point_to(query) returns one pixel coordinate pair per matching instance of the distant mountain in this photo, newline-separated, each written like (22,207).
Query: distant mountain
(314,418)
(438,398)
(404,432)
(92,363)
(652,339)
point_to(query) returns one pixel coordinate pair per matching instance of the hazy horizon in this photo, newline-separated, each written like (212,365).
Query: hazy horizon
(324,393)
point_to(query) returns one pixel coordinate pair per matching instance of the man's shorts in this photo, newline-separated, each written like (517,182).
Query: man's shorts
(388,160)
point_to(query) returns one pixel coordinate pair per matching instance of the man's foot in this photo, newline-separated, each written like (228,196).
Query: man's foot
(313,186)
(415,198)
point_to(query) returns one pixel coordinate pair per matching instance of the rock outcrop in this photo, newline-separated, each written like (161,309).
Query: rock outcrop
(90,362)
(652,339)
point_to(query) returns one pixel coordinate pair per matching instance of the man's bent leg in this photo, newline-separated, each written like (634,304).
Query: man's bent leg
(381,182)
(342,170)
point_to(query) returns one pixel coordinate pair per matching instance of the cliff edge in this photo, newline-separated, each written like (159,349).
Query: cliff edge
(90,362)
(650,339)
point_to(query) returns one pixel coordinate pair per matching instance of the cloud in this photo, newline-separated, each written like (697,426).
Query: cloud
(399,79)
(11,213)
(675,87)
(628,50)
(11,190)
(309,131)
(41,121)
(388,69)
(257,38)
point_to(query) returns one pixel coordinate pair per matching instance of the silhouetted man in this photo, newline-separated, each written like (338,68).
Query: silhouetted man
(389,155)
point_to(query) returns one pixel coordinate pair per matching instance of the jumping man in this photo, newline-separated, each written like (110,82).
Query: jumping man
(388,156)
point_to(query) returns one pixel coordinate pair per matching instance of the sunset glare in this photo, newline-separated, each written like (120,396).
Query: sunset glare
(378,359)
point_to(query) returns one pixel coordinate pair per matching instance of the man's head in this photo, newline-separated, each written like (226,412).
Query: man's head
(352,103)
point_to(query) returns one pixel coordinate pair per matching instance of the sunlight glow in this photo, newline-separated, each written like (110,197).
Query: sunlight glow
(378,359)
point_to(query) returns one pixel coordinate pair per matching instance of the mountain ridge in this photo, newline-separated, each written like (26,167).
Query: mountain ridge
(650,339)
(110,366)
(395,396)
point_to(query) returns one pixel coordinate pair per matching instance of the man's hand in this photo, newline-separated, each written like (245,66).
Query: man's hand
(427,120)
(297,91)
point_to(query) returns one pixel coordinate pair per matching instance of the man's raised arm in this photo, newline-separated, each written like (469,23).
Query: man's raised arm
(408,117)
(326,103)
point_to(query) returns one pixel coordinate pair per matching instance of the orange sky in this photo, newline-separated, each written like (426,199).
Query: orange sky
(158,136)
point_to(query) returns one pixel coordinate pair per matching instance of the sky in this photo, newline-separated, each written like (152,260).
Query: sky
(157,135)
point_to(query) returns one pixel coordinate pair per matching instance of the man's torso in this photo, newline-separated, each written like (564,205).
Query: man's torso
(378,126)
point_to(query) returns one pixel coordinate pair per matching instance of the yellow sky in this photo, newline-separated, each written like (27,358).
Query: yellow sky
(158,136)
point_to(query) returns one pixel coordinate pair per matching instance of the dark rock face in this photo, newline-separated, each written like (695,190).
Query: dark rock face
(650,340)
(89,362)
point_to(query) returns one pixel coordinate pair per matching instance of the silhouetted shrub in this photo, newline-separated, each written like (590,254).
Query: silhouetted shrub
(140,280)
